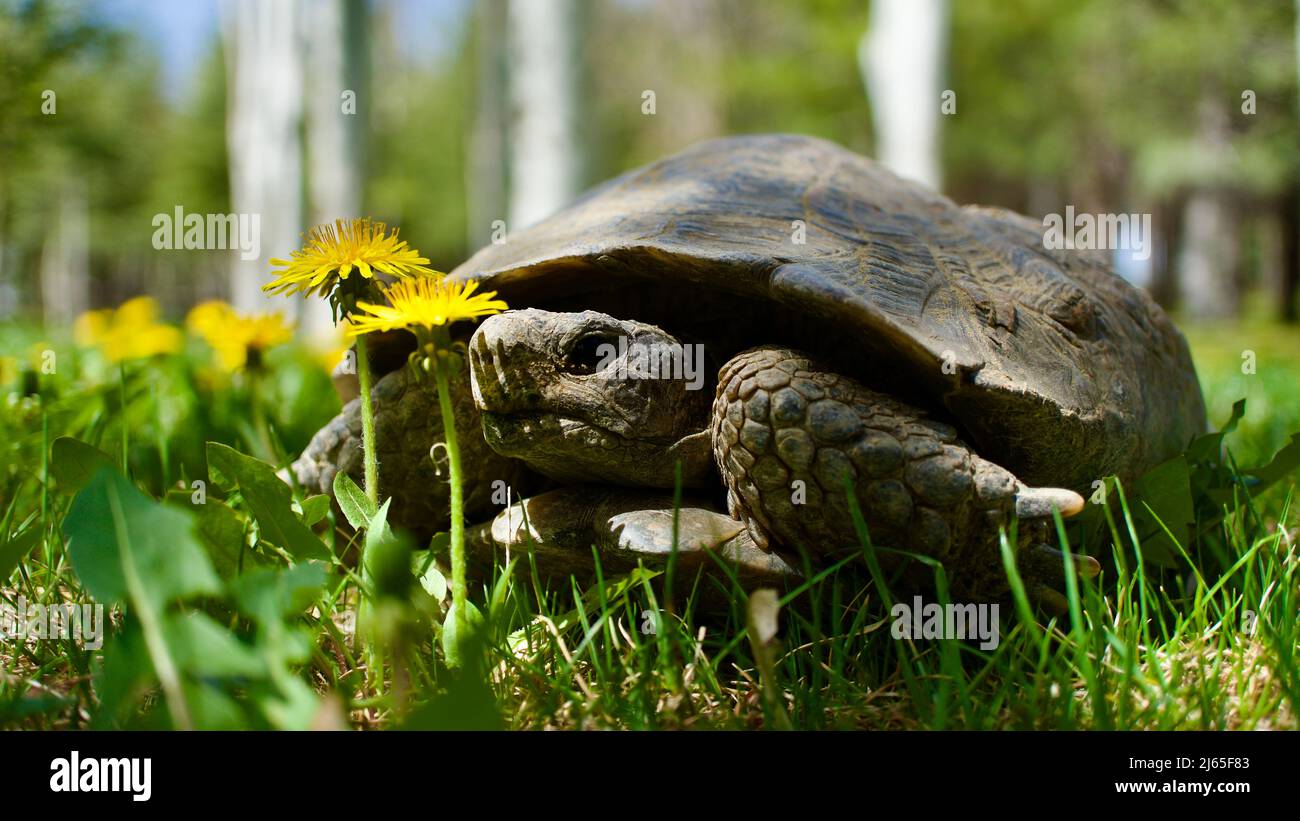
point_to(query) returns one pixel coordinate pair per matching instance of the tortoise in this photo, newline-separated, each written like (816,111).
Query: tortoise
(834,336)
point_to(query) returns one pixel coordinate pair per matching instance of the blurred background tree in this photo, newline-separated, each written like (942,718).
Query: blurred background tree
(72,205)
(466,113)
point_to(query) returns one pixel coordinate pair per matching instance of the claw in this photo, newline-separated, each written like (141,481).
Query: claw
(1039,502)
(1085,566)
(1049,600)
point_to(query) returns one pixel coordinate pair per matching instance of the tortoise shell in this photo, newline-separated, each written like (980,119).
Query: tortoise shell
(1054,366)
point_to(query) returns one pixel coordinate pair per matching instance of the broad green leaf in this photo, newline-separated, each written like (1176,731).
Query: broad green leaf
(1165,493)
(16,709)
(221,528)
(202,647)
(124,678)
(457,649)
(355,504)
(386,573)
(73,463)
(287,645)
(431,578)
(386,566)
(268,595)
(467,704)
(440,544)
(16,549)
(314,508)
(294,706)
(270,500)
(160,544)
(211,708)
(1283,464)
(1207,448)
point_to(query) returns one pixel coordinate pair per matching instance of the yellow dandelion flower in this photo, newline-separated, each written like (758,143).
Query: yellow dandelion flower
(259,333)
(426,302)
(238,339)
(130,331)
(208,317)
(333,252)
(90,327)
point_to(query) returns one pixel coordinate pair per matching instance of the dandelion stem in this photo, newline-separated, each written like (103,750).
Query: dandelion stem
(164,454)
(458,586)
(368,453)
(45,484)
(121,393)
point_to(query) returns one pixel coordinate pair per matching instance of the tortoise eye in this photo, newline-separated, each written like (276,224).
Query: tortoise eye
(589,353)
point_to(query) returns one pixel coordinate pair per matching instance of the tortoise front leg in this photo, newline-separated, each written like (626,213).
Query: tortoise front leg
(408,430)
(788,435)
(627,527)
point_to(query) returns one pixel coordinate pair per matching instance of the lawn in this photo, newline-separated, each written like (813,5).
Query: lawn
(226,608)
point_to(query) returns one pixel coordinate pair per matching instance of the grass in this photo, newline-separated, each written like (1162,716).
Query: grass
(1145,649)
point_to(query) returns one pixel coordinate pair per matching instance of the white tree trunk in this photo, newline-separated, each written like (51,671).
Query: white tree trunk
(545,69)
(65,259)
(1207,259)
(264,90)
(334,155)
(902,59)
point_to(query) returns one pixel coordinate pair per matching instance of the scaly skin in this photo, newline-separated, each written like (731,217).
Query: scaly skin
(788,436)
(627,527)
(545,399)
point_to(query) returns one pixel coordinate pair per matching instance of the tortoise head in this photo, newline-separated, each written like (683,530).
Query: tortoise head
(587,397)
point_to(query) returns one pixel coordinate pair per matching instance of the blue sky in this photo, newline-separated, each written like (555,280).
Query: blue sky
(182,31)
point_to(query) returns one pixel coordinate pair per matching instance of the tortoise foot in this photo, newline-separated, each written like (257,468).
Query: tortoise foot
(626,528)
(794,440)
